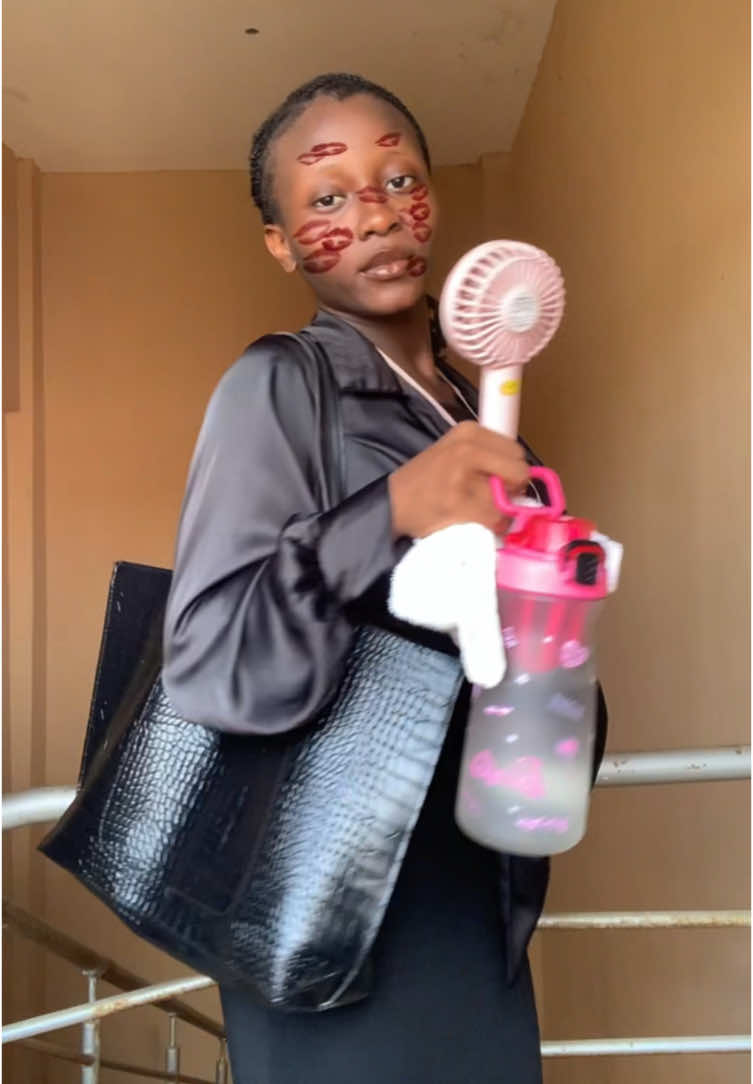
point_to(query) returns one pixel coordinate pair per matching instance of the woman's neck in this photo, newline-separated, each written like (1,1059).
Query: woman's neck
(404,337)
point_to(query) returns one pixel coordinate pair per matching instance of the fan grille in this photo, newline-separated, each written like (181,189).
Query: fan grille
(475,318)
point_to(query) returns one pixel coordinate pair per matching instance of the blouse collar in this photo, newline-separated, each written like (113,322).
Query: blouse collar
(359,366)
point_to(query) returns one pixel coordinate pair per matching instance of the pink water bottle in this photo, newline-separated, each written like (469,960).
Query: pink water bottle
(525,774)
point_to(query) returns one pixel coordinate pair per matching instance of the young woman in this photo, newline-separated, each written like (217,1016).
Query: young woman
(267,583)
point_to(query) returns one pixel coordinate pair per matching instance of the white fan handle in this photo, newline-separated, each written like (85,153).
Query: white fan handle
(499,406)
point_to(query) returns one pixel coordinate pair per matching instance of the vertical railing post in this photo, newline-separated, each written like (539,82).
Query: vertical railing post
(172,1051)
(90,1034)
(220,1073)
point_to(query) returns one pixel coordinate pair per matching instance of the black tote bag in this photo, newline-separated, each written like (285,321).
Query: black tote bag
(264,861)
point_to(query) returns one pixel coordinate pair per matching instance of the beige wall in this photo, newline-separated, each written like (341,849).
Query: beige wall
(631,168)
(24,610)
(151,285)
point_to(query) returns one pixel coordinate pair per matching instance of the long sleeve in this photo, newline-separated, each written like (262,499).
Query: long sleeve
(255,633)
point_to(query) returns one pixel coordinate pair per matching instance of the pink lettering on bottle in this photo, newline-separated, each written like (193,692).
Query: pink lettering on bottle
(523,776)
(566,706)
(510,637)
(543,824)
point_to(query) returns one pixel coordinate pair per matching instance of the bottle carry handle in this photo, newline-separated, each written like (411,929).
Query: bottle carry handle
(522,513)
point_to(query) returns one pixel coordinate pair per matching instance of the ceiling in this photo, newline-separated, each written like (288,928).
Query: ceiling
(109,85)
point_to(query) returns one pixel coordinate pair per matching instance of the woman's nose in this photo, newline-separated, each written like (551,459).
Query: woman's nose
(377,215)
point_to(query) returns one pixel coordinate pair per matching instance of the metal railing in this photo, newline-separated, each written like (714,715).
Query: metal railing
(617,770)
(31,807)
(67,948)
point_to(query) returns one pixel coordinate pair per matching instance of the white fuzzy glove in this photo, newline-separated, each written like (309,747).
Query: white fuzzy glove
(447,582)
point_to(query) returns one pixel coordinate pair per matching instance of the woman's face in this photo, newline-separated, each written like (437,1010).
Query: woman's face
(357,211)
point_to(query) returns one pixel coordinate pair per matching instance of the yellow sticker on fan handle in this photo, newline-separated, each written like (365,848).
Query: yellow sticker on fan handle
(509,387)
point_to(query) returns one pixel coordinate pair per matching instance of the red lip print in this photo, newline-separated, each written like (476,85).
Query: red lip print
(419,212)
(312,232)
(321,150)
(316,232)
(370,194)
(421,192)
(337,239)
(422,232)
(391,139)
(416,266)
(321,260)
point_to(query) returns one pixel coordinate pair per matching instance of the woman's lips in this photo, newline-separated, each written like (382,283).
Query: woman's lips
(394,269)
(393,264)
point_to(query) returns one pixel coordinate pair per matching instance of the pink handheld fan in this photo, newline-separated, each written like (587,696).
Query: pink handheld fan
(500,305)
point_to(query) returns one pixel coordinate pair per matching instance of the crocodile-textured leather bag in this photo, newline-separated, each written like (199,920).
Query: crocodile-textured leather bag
(265,862)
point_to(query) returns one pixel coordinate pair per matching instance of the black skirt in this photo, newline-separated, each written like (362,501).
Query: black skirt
(441,1011)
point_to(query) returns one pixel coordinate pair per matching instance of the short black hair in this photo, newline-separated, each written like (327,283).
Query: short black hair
(338,85)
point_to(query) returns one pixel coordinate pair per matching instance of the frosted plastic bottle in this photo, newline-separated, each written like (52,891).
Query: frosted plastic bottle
(525,773)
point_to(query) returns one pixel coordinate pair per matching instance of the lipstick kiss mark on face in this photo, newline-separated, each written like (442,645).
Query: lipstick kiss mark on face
(417,266)
(416,218)
(337,239)
(420,192)
(320,260)
(321,150)
(331,239)
(391,139)
(312,232)
(370,194)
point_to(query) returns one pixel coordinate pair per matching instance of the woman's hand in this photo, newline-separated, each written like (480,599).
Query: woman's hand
(449,481)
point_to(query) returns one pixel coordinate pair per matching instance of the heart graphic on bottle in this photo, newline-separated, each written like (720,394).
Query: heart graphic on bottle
(573,653)
(568,748)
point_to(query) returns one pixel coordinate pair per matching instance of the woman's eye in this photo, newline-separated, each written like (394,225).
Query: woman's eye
(401,184)
(328,202)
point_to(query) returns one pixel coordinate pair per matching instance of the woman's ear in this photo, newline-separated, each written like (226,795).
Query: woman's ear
(277,246)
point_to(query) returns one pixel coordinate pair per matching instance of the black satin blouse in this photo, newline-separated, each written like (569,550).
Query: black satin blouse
(267,585)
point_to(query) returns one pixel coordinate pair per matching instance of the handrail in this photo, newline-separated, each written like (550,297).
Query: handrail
(675,766)
(660,1044)
(617,770)
(66,947)
(672,766)
(36,806)
(35,929)
(639,920)
(95,1010)
(56,1050)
